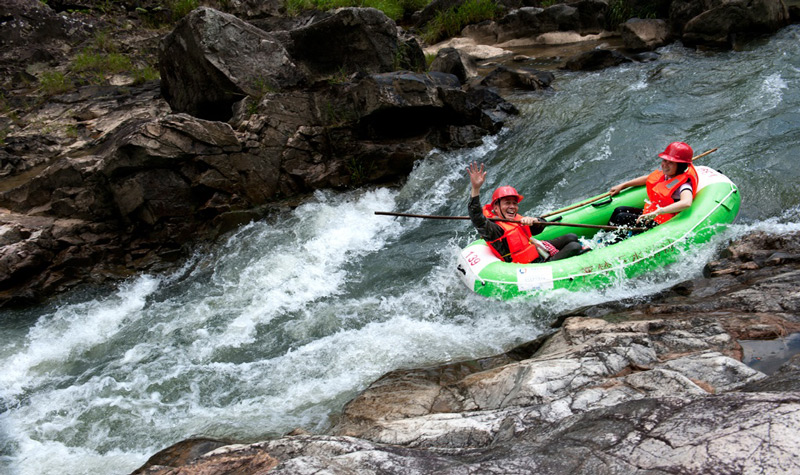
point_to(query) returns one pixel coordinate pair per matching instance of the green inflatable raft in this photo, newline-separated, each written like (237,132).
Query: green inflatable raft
(715,205)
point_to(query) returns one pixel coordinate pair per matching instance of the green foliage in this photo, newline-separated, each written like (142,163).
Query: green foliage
(359,171)
(103,42)
(449,23)
(102,59)
(340,77)
(3,135)
(72,131)
(95,67)
(54,82)
(181,8)
(394,9)
(147,73)
(429,60)
(263,86)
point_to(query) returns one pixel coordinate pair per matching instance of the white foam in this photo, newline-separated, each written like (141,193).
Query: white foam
(71,330)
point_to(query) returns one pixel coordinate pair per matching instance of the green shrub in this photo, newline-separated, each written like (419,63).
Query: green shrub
(394,9)
(96,67)
(429,59)
(181,8)
(449,23)
(147,73)
(54,82)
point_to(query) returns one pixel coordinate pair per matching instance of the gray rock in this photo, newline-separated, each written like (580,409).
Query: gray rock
(212,59)
(596,59)
(643,35)
(455,62)
(721,24)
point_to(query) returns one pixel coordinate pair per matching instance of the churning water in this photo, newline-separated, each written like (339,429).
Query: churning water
(289,318)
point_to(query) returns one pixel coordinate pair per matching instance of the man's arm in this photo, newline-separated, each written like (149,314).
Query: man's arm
(488,230)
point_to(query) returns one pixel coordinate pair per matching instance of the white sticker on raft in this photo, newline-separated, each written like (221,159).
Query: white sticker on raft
(533,278)
(708,176)
(478,257)
(471,262)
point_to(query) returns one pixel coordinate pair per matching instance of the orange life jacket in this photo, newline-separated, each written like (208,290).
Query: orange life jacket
(517,237)
(660,191)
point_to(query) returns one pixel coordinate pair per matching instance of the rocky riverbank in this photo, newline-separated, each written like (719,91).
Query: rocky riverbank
(656,387)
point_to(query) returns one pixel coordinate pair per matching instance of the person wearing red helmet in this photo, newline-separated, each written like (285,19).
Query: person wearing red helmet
(670,189)
(513,241)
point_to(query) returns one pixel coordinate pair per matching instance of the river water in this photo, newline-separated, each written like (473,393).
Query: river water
(289,318)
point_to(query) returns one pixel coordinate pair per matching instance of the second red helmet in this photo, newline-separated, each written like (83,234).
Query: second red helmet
(504,191)
(678,152)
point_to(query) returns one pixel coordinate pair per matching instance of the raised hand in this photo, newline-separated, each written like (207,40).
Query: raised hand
(477,176)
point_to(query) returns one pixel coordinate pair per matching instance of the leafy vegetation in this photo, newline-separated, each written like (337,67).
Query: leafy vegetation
(394,9)
(93,65)
(181,8)
(54,82)
(450,22)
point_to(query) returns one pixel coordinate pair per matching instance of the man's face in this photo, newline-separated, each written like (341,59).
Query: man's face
(506,207)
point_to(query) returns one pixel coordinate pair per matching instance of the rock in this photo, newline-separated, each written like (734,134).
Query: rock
(350,40)
(212,60)
(736,432)
(469,47)
(522,78)
(643,35)
(33,33)
(182,453)
(589,364)
(455,62)
(596,59)
(583,17)
(786,379)
(255,9)
(722,24)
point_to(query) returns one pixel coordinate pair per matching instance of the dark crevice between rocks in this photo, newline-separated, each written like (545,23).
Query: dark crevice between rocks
(396,124)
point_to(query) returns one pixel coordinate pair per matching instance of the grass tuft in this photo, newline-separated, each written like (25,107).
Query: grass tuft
(450,22)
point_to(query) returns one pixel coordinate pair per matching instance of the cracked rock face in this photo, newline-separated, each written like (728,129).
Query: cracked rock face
(589,364)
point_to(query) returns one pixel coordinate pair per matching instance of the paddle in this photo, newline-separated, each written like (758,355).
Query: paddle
(543,223)
(609,193)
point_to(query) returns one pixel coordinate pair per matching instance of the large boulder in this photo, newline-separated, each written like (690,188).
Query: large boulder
(583,17)
(349,40)
(644,35)
(720,23)
(456,62)
(211,60)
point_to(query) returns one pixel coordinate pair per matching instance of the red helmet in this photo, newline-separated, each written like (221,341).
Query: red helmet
(678,152)
(504,191)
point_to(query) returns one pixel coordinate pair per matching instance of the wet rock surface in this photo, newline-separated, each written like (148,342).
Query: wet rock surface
(653,387)
(104,181)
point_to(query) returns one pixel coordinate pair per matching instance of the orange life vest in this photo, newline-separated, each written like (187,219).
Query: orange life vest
(660,191)
(517,237)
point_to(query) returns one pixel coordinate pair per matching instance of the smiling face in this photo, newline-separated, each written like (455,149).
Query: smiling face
(506,207)
(669,168)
